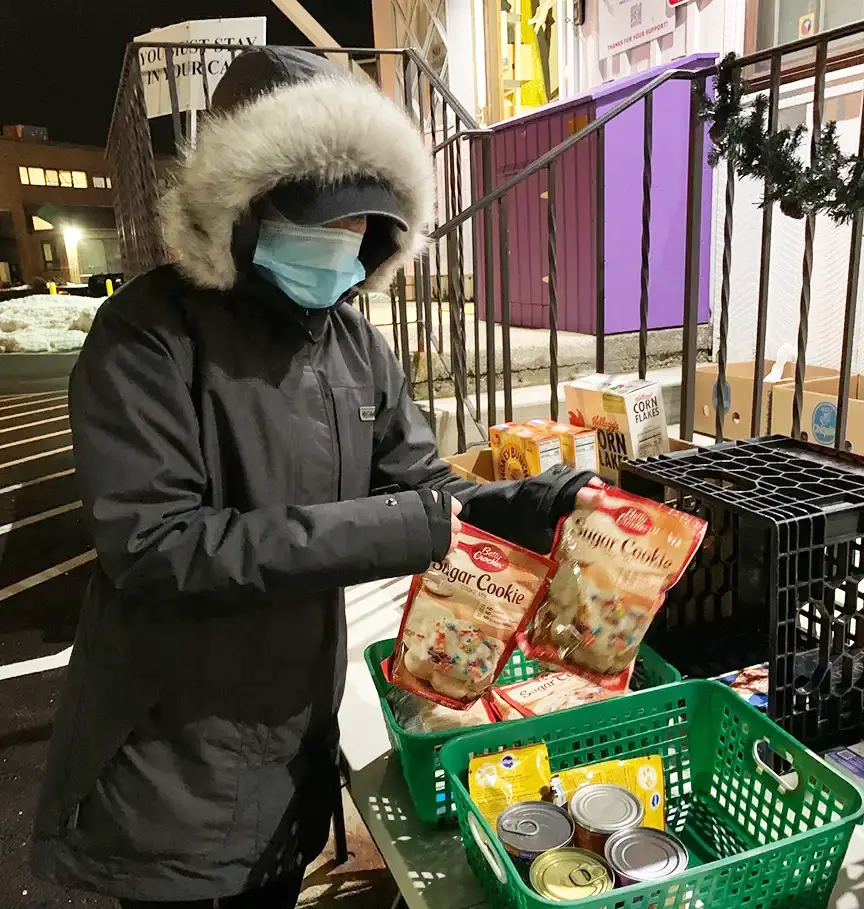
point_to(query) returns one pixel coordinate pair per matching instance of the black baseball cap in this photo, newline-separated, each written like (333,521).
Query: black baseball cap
(310,203)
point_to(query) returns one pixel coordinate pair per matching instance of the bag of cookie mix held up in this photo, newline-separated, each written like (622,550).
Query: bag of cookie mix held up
(616,559)
(460,624)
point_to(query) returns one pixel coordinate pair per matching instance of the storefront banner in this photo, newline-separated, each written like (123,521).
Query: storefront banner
(628,23)
(190,70)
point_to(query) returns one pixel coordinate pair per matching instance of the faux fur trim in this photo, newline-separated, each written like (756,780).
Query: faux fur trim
(327,129)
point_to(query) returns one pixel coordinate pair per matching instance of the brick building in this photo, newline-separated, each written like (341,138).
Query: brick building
(56,214)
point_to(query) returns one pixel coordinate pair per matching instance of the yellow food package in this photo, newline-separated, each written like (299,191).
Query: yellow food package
(642,776)
(578,443)
(497,781)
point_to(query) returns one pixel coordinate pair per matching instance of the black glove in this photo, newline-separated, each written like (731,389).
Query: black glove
(439,515)
(526,512)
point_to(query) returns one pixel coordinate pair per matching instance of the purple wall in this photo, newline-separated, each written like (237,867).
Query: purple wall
(517,142)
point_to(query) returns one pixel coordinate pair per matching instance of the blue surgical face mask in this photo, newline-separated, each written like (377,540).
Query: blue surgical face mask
(314,266)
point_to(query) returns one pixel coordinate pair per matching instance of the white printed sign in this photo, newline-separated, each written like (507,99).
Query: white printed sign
(190,70)
(628,23)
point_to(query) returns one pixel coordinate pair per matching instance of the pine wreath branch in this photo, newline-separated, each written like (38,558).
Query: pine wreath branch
(832,183)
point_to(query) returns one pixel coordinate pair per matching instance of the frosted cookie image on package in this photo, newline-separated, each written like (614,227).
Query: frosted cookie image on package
(460,623)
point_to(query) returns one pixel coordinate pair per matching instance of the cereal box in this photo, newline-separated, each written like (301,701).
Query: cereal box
(628,416)
(525,451)
(578,443)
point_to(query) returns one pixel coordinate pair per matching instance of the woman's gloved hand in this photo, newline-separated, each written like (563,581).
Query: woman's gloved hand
(526,512)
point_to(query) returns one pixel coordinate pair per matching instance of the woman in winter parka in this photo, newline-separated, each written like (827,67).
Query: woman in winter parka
(233,419)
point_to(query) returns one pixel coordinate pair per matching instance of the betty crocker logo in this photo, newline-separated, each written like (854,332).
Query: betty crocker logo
(633,520)
(489,558)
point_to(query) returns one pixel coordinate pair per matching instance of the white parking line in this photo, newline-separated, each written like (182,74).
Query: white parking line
(48,435)
(35,423)
(35,457)
(40,664)
(36,518)
(47,574)
(32,413)
(27,483)
(40,401)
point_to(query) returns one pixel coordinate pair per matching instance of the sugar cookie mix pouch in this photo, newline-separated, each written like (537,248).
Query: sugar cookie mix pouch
(497,781)
(463,615)
(416,714)
(643,776)
(616,561)
(554,691)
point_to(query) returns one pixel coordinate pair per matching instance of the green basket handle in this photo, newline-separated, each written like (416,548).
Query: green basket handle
(485,848)
(762,767)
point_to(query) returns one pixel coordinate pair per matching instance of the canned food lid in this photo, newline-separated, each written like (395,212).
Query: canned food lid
(534,827)
(601,808)
(567,874)
(645,854)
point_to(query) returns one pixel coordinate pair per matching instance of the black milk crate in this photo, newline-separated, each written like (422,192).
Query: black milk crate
(777,580)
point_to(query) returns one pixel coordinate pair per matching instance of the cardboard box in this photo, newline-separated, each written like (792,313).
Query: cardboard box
(628,416)
(740,379)
(527,451)
(819,412)
(475,465)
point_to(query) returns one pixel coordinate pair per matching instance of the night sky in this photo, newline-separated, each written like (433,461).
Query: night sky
(60,59)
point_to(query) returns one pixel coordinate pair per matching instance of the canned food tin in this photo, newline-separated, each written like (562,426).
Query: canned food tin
(644,855)
(565,875)
(529,828)
(599,810)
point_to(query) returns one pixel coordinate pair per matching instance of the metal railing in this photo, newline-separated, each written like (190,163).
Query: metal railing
(490,219)
(474,230)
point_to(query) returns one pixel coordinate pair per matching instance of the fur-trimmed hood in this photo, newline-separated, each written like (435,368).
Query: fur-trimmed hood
(304,119)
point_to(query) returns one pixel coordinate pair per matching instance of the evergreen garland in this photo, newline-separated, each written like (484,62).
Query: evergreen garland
(832,184)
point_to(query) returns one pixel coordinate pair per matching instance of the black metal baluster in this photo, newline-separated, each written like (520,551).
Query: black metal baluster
(395,315)
(552,230)
(600,250)
(475,258)
(489,282)
(421,331)
(504,271)
(850,316)
(427,325)
(205,85)
(457,344)
(647,149)
(809,237)
(175,100)
(723,402)
(438,286)
(692,259)
(402,297)
(756,424)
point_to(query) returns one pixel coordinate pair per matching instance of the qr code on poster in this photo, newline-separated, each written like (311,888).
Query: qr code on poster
(636,15)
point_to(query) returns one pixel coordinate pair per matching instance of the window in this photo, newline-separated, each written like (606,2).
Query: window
(51,178)
(79,179)
(66,178)
(98,182)
(108,183)
(41,223)
(48,254)
(37,176)
(23,176)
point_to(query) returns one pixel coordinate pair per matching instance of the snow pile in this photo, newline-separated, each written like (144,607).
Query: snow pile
(43,323)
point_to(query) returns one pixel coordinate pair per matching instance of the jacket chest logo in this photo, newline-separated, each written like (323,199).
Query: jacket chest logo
(367,414)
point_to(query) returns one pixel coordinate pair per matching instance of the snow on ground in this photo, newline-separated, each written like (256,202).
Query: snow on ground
(43,323)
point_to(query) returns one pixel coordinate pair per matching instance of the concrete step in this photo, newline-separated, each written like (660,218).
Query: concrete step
(534,402)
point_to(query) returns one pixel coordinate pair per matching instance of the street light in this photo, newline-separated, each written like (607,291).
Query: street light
(72,237)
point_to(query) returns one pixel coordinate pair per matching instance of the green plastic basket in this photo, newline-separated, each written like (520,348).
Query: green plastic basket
(756,840)
(418,751)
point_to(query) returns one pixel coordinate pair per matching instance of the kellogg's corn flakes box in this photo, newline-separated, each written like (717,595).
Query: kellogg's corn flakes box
(628,415)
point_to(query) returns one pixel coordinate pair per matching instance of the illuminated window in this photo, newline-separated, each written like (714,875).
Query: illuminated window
(48,253)
(98,182)
(41,223)
(65,177)
(23,176)
(108,183)
(51,178)
(37,176)
(79,179)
